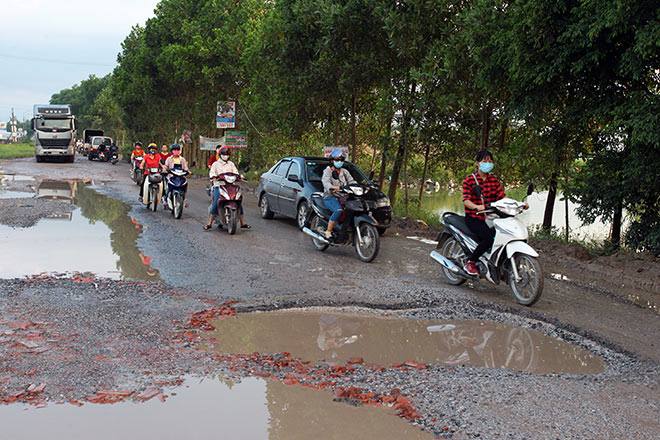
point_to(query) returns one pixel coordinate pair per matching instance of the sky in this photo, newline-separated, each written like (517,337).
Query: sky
(47,46)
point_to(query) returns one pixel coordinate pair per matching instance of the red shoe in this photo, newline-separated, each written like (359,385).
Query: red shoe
(471,268)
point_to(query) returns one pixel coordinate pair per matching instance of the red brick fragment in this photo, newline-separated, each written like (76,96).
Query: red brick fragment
(34,389)
(114,393)
(417,365)
(355,360)
(148,394)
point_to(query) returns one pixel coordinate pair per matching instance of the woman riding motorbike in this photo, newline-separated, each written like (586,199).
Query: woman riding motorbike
(224,165)
(174,161)
(334,177)
(151,160)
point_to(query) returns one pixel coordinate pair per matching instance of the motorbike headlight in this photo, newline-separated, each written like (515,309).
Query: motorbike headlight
(382,202)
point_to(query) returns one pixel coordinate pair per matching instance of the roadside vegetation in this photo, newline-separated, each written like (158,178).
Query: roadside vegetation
(565,94)
(12,151)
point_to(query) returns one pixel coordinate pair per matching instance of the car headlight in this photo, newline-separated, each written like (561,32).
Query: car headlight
(382,202)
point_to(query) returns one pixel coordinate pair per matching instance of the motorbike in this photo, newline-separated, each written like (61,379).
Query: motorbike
(153,189)
(136,172)
(178,185)
(114,157)
(355,227)
(510,259)
(230,200)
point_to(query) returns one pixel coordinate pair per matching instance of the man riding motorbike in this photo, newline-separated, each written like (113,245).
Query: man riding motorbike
(175,161)
(475,204)
(334,177)
(137,152)
(224,165)
(151,160)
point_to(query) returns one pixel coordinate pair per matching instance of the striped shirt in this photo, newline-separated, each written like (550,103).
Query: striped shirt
(491,190)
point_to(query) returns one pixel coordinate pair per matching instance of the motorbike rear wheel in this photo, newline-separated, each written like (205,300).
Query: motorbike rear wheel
(153,198)
(318,227)
(368,248)
(452,251)
(177,205)
(230,219)
(528,289)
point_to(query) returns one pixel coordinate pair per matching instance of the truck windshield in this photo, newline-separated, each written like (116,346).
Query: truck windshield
(53,124)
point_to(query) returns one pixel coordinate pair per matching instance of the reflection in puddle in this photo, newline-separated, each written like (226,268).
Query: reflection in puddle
(252,409)
(16,187)
(337,337)
(98,236)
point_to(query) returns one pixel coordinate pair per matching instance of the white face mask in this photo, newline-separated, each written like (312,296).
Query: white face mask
(224,157)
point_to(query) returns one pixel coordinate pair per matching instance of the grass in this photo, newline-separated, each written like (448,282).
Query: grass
(428,216)
(12,151)
(597,248)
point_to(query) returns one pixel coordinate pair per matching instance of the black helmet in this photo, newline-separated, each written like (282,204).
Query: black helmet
(175,147)
(225,150)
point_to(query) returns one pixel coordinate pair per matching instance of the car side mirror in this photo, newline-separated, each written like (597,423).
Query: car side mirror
(530,189)
(293,178)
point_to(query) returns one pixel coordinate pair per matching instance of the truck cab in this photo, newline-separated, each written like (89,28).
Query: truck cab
(54,132)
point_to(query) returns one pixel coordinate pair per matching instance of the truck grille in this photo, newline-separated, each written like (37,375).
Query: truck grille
(55,143)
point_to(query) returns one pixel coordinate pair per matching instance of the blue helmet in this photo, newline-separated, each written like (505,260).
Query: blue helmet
(336,154)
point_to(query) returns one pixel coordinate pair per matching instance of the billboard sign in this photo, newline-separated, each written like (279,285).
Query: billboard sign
(209,144)
(328,150)
(236,139)
(226,114)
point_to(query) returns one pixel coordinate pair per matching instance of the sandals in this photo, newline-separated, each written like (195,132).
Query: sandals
(207,227)
(246,226)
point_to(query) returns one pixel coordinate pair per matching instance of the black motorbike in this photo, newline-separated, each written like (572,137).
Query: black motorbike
(355,227)
(177,184)
(136,172)
(114,155)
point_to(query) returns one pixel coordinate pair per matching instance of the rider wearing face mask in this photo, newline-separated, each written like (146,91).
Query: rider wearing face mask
(491,191)
(174,161)
(224,165)
(334,177)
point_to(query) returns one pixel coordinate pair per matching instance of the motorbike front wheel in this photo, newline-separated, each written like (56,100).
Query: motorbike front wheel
(230,219)
(528,288)
(367,248)
(452,251)
(153,198)
(177,205)
(319,228)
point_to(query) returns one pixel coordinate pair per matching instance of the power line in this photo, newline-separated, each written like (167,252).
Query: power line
(45,60)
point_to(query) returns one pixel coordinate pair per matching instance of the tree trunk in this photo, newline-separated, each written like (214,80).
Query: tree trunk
(485,126)
(385,151)
(354,147)
(373,156)
(426,164)
(396,170)
(405,167)
(550,203)
(503,131)
(336,139)
(617,219)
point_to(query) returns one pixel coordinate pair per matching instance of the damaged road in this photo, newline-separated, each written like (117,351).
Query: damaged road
(138,335)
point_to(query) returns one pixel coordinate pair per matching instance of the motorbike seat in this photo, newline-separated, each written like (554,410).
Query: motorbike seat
(458,221)
(317,200)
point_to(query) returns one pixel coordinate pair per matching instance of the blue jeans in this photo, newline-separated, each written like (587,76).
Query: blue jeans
(332,203)
(216,200)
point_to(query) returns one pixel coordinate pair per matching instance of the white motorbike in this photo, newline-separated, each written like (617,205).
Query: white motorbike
(510,259)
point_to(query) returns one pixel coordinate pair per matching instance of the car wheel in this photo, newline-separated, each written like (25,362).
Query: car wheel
(302,214)
(265,207)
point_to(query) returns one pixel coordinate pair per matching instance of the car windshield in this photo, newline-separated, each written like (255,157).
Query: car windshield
(53,124)
(315,171)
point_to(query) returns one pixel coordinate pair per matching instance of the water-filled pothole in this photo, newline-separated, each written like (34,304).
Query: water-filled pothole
(94,234)
(252,409)
(337,337)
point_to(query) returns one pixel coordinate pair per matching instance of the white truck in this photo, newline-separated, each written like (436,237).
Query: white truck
(54,132)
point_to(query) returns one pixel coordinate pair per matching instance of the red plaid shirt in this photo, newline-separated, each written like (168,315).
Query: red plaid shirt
(491,190)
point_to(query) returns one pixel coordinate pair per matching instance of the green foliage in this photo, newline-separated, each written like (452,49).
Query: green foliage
(558,89)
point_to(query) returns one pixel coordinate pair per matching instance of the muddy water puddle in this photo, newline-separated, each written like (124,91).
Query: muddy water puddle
(97,236)
(338,337)
(252,409)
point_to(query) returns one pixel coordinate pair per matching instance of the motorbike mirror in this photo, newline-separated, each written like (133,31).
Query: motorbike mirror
(530,189)
(246,168)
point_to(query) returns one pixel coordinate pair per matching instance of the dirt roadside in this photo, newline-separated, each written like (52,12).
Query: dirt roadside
(628,276)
